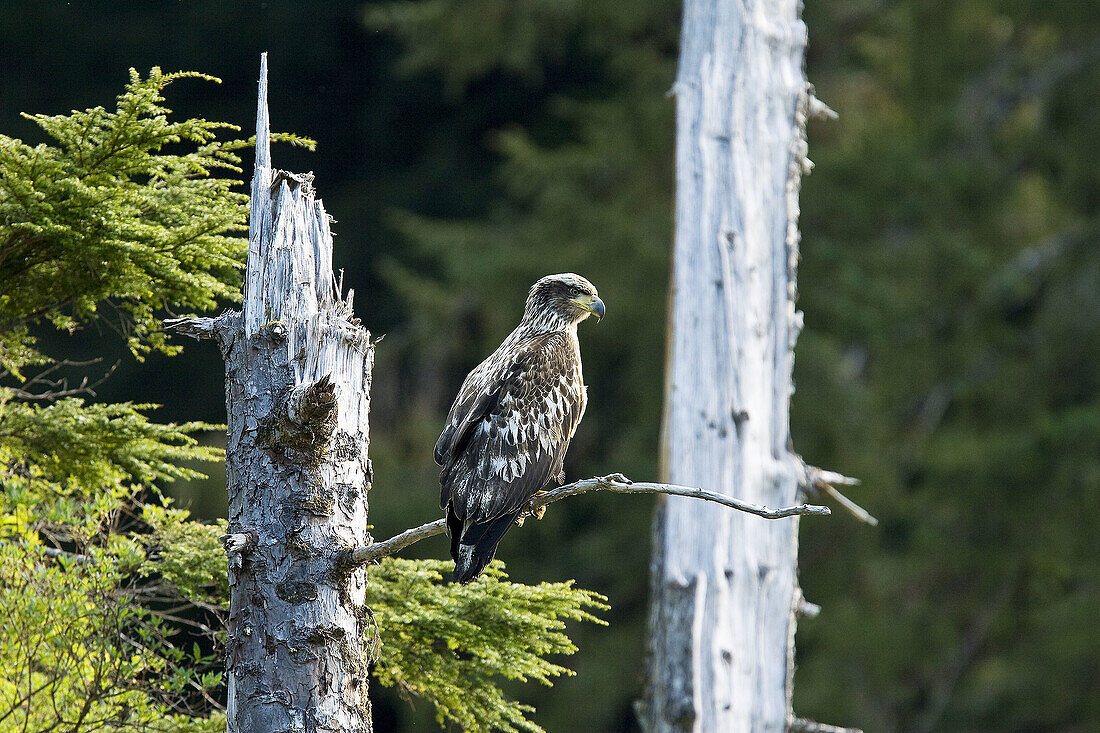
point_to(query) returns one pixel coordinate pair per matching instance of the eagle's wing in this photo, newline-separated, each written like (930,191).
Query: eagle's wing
(469,404)
(508,431)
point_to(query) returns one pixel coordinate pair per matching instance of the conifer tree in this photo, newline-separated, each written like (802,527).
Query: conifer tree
(103,226)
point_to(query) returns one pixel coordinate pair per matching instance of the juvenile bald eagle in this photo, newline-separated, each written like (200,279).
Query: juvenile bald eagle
(508,430)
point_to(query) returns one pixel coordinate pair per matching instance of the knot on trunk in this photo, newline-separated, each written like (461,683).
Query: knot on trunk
(236,546)
(303,428)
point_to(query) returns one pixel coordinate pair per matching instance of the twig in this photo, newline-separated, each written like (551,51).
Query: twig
(948,676)
(819,481)
(615,482)
(850,506)
(802,725)
(197,328)
(59,388)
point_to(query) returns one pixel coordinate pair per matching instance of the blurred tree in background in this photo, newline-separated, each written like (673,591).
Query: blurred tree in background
(950,283)
(951,286)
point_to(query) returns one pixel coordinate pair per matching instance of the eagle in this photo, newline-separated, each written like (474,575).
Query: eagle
(510,425)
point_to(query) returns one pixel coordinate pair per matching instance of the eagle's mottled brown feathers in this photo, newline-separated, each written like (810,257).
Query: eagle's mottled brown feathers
(509,428)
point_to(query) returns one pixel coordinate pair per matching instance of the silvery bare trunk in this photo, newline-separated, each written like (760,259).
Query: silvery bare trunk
(725,586)
(298,370)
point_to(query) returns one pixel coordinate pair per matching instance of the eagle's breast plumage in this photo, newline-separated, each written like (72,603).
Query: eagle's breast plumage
(508,431)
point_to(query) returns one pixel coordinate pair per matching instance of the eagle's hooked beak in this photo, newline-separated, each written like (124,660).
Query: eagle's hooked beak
(593,305)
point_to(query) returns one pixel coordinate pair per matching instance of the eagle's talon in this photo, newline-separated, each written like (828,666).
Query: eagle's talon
(520,519)
(540,511)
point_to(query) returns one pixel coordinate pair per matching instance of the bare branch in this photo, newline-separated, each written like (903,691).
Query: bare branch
(197,328)
(848,505)
(805,608)
(58,388)
(55,552)
(620,484)
(802,725)
(378,550)
(74,556)
(615,482)
(236,545)
(816,109)
(819,481)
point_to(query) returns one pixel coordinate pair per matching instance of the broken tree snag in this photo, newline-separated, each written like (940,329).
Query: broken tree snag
(741,106)
(298,370)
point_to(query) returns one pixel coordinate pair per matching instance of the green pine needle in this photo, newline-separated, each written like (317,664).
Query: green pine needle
(452,644)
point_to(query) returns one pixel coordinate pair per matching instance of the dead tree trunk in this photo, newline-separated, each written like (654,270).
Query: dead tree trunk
(725,586)
(298,370)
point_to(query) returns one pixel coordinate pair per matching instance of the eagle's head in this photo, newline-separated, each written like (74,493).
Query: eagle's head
(557,301)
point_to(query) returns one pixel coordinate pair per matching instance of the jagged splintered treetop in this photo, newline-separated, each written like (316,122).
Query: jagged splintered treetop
(294,259)
(298,374)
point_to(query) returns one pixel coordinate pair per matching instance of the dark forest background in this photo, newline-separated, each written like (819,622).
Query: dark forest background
(950,283)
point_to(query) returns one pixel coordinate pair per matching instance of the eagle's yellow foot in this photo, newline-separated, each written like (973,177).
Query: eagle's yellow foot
(536,513)
(542,509)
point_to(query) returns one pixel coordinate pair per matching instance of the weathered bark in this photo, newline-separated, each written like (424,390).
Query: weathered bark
(298,370)
(725,587)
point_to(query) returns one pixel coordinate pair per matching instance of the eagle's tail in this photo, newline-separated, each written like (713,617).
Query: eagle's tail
(474,543)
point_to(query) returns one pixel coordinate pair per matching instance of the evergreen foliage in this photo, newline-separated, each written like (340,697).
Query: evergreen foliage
(118,221)
(452,643)
(186,554)
(106,218)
